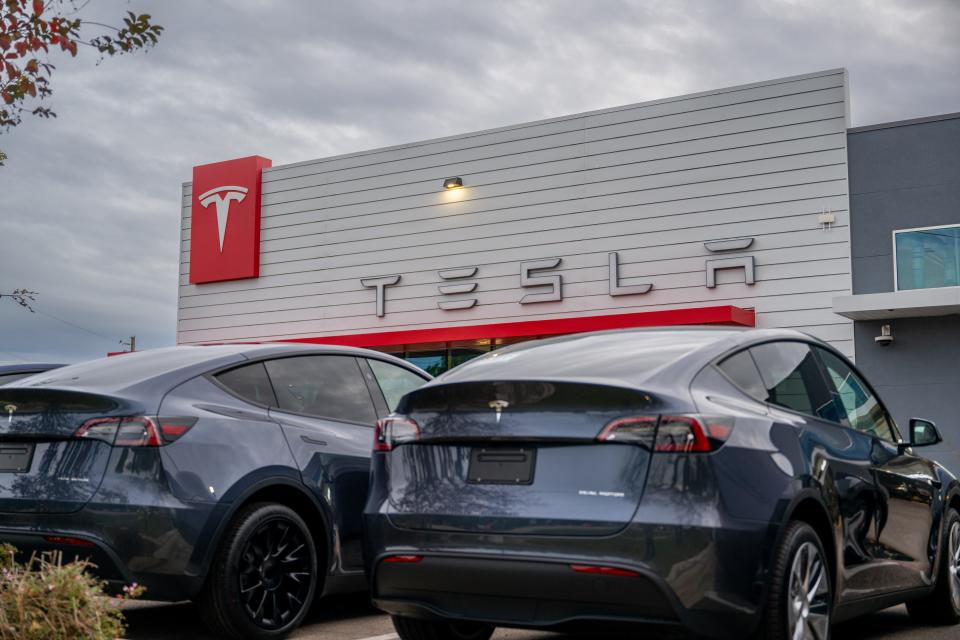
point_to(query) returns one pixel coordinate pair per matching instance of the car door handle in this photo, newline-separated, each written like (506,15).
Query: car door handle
(309,440)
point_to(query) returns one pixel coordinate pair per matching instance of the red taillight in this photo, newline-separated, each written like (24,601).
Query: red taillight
(637,429)
(402,559)
(172,429)
(138,431)
(692,434)
(604,571)
(69,541)
(394,430)
(135,431)
(104,429)
(671,434)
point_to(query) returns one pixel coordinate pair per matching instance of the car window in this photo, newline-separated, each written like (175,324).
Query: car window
(395,382)
(858,408)
(250,382)
(322,386)
(741,369)
(791,378)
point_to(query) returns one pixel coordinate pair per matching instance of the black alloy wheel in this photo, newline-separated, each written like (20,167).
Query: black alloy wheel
(942,606)
(264,577)
(800,599)
(416,629)
(275,573)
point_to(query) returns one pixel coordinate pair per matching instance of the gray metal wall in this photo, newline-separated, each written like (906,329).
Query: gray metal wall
(901,177)
(651,181)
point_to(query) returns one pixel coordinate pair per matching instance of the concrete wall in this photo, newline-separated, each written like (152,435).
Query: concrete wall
(901,177)
(651,181)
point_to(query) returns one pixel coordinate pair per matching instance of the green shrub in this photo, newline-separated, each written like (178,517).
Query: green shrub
(45,599)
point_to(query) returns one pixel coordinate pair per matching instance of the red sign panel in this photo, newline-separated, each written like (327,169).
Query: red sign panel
(225,220)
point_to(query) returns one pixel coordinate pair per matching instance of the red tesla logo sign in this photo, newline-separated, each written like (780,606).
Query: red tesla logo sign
(225,220)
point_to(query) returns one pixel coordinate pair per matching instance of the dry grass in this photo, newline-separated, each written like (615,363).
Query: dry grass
(44,599)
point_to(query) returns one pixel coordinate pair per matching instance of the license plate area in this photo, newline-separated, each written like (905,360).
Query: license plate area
(501,465)
(15,458)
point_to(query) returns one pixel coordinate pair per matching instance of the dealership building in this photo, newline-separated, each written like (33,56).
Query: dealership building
(754,205)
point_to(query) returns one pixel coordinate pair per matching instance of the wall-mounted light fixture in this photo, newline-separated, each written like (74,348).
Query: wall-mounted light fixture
(453,183)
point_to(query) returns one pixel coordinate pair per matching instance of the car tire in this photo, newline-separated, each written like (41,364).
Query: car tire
(263,577)
(416,629)
(800,589)
(942,606)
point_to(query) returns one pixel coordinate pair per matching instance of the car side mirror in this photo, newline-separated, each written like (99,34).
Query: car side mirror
(923,433)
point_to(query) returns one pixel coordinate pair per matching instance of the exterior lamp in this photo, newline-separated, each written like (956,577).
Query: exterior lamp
(452,183)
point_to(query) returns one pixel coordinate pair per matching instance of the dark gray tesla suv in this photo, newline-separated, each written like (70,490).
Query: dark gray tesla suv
(233,475)
(735,483)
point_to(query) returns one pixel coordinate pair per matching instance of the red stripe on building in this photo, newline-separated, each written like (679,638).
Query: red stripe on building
(721,315)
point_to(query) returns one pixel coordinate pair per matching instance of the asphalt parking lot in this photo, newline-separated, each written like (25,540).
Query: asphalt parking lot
(354,619)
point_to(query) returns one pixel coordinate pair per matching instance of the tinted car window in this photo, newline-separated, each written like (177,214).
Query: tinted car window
(791,378)
(857,407)
(743,371)
(323,386)
(395,382)
(250,382)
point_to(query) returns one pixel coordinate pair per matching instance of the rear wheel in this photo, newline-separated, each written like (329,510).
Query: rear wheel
(943,605)
(415,629)
(264,575)
(800,601)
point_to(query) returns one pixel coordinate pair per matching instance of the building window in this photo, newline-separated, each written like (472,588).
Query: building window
(927,258)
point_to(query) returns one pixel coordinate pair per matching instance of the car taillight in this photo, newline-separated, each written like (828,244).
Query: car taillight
(604,571)
(394,430)
(671,434)
(407,559)
(636,430)
(135,431)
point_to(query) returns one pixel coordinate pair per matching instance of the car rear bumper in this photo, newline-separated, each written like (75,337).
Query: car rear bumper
(517,592)
(708,580)
(150,545)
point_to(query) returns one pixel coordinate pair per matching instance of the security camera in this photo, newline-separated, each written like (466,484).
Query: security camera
(885,339)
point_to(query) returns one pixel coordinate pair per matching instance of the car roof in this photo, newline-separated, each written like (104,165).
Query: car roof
(647,358)
(151,373)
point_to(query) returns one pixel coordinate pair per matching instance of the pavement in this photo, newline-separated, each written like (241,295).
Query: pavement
(352,618)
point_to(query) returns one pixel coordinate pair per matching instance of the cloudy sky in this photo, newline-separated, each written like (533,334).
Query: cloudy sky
(89,202)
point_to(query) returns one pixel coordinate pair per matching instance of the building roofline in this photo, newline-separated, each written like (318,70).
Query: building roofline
(904,123)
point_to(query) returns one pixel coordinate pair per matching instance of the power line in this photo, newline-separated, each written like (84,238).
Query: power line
(76,326)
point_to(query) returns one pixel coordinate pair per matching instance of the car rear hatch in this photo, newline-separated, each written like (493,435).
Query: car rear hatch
(520,458)
(44,466)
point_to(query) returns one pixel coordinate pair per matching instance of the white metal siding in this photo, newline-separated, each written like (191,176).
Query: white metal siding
(652,181)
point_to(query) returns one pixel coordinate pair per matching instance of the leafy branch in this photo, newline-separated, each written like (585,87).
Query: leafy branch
(30,29)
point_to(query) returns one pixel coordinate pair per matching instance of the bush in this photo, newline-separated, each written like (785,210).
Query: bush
(44,599)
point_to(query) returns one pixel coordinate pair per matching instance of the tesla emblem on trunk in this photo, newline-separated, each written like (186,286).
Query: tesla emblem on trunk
(498,406)
(10,409)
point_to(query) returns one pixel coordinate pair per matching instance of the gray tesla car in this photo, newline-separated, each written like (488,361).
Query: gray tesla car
(733,483)
(232,475)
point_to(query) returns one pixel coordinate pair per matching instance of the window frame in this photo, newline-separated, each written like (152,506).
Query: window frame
(212,377)
(896,279)
(374,383)
(359,359)
(824,376)
(866,383)
(366,385)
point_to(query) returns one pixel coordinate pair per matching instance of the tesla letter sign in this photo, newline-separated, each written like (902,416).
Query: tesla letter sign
(225,220)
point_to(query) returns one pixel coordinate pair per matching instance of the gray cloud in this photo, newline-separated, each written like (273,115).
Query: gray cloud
(89,202)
